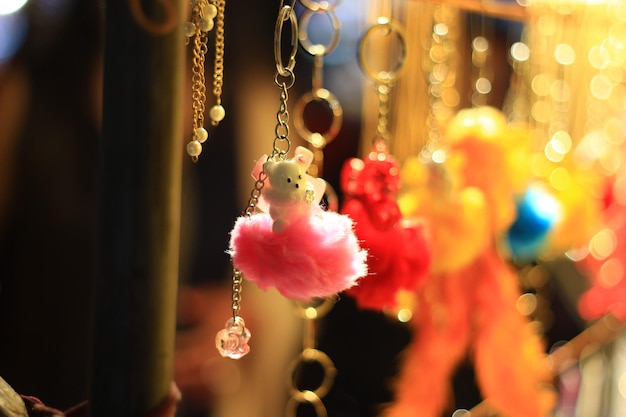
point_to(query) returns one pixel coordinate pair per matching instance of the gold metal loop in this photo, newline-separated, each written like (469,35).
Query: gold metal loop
(315,309)
(285,13)
(320,5)
(312,356)
(277,151)
(318,139)
(303,32)
(307,397)
(287,81)
(384,27)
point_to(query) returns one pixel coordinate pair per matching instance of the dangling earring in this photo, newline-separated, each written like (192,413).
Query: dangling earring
(202,21)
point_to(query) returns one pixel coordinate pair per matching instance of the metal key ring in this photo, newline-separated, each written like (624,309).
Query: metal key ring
(307,397)
(303,32)
(311,355)
(320,5)
(315,309)
(386,27)
(286,13)
(318,139)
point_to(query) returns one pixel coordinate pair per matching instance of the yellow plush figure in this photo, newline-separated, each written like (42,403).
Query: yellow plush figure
(456,219)
(481,152)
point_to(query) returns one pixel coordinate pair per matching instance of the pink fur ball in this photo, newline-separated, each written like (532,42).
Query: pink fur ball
(315,256)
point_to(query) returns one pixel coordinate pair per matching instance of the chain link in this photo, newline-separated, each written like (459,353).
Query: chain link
(237,288)
(384,80)
(317,140)
(282,144)
(383,90)
(218,68)
(311,312)
(201,22)
(311,356)
(253,201)
(198,82)
(440,72)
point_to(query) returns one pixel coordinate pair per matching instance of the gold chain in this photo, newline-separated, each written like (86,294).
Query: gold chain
(313,396)
(382,129)
(440,70)
(202,15)
(281,130)
(217,112)
(198,82)
(299,395)
(253,201)
(237,281)
(284,78)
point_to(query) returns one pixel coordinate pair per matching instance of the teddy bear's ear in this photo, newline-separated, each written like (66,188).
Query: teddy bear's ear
(269,167)
(304,157)
(256,171)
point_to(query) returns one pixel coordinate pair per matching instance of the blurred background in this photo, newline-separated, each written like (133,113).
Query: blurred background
(459,55)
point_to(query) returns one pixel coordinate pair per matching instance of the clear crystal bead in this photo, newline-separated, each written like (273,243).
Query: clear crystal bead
(232,340)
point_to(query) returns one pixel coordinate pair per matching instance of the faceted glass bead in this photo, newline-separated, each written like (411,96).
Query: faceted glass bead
(232,340)
(217,113)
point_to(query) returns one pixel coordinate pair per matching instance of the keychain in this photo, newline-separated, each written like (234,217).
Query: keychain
(399,253)
(284,239)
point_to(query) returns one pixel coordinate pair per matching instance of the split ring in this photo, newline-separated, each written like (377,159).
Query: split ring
(320,5)
(313,356)
(286,13)
(303,32)
(318,139)
(307,397)
(385,27)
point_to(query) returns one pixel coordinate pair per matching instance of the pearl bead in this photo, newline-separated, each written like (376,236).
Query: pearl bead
(190,29)
(209,11)
(201,135)
(206,24)
(217,113)
(194,148)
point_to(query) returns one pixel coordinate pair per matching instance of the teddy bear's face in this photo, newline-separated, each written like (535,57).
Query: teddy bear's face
(287,180)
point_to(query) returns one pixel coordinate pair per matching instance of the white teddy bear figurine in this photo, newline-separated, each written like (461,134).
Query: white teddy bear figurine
(289,191)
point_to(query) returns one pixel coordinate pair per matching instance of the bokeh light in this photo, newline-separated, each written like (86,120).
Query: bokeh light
(8,7)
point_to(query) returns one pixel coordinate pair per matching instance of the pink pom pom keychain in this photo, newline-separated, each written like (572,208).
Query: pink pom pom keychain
(285,240)
(317,251)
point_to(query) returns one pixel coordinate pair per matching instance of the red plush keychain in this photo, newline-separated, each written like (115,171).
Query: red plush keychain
(398,251)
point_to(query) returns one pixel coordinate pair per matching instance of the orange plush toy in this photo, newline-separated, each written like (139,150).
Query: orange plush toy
(467,305)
